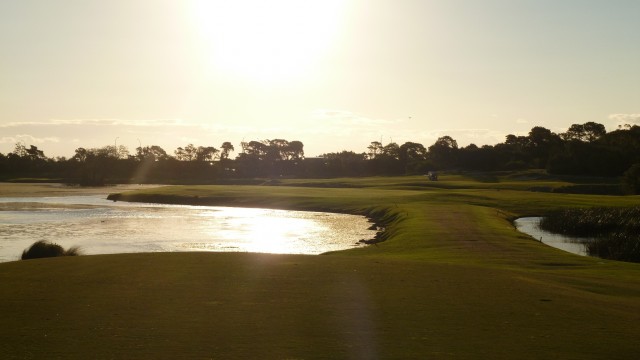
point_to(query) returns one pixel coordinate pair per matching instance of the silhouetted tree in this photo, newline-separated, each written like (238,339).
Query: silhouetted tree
(344,163)
(254,149)
(207,153)
(391,151)
(375,149)
(153,152)
(542,142)
(412,157)
(34,153)
(295,150)
(443,152)
(226,149)
(588,132)
(96,165)
(188,153)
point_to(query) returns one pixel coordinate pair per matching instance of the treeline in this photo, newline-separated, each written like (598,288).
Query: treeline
(584,149)
(152,164)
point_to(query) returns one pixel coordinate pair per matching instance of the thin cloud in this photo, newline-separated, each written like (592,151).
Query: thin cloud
(623,119)
(97,122)
(28,139)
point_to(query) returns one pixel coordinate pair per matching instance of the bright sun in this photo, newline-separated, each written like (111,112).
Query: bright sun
(267,41)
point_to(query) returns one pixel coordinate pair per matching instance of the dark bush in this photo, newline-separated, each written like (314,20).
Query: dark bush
(44,249)
(614,230)
(617,246)
(593,222)
(631,180)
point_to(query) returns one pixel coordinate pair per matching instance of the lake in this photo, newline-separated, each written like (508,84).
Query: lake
(99,226)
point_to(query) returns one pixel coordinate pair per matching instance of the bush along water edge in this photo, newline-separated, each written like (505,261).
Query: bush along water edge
(615,231)
(45,249)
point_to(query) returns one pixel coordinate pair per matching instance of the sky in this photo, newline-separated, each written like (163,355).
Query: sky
(333,74)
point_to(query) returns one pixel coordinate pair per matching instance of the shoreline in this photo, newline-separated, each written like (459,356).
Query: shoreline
(52,190)
(9,189)
(377,221)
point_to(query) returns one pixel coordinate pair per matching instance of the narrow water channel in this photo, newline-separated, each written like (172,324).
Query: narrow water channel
(530,226)
(99,226)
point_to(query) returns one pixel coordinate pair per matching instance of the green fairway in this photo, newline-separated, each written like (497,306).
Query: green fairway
(453,279)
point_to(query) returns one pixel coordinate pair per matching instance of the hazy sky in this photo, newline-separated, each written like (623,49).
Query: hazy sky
(335,75)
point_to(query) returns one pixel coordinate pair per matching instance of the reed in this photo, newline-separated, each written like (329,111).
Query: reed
(617,246)
(615,230)
(593,221)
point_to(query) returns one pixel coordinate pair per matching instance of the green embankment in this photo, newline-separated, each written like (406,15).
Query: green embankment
(453,279)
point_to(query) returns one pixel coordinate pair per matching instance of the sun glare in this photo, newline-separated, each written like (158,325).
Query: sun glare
(266,41)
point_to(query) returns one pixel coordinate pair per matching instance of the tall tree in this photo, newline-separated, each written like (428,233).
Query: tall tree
(226,149)
(254,149)
(207,153)
(412,157)
(153,153)
(295,150)
(20,150)
(588,132)
(542,142)
(391,151)
(188,153)
(375,149)
(277,149)
(443,152)
(412,151)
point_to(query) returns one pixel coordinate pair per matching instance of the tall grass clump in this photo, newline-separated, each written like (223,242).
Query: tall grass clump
(44,249)
(593,221)
(616,231)
(617,246)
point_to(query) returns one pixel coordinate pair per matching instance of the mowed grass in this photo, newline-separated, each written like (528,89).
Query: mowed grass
(453,279)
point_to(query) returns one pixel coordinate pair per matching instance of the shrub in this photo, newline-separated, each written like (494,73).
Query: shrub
(593,222)
(44,249)
(631,179)
(614,230)
(617,246)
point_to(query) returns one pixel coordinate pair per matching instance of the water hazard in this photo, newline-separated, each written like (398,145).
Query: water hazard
(531,227)
(99,226)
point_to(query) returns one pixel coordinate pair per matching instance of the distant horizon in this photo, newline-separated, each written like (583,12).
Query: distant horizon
(238,149)
(126,141)
(335,75)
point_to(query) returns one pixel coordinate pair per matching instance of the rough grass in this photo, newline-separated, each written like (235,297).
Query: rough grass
(45,249)
(453,279)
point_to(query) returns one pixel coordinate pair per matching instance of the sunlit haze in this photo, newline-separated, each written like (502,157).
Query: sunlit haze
(333,74)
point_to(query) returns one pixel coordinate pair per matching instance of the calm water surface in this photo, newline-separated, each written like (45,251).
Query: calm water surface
(100,226)
(530,226)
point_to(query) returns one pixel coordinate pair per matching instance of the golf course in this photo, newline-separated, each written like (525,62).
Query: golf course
(450,278)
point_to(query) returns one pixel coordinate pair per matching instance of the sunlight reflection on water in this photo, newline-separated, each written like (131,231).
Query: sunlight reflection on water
(99,226)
